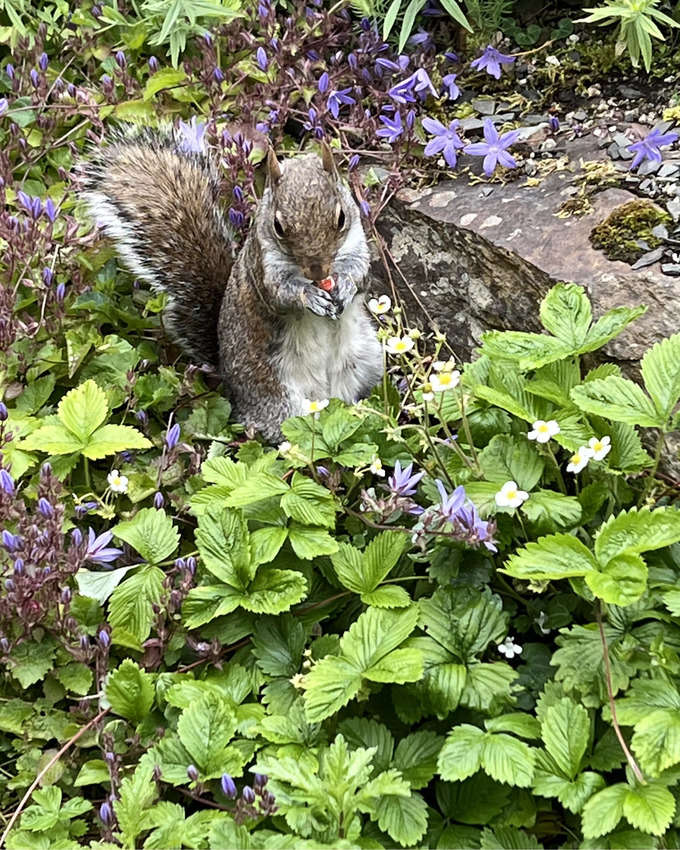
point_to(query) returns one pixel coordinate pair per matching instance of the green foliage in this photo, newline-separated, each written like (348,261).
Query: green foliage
(637,22)
(408,11)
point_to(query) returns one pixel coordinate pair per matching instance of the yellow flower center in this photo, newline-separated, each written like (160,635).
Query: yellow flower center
(511,494)
(598,447)
(576,458)
(400,346)
(543,429)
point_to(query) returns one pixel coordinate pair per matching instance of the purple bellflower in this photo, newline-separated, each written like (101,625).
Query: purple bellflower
(494,148)
(450,504)
(648,148)
(323,83)
(172,437)
(402,482)
(419,83)
(192,136)
(261,57)
(97,550)
(446,140)
(6,482)
(337,98)
(4,105)
(393,128)
(491,61)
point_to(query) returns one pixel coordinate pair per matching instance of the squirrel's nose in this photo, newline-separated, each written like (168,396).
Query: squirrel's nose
(316,271)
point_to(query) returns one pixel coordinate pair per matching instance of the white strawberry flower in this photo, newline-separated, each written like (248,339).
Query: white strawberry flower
(509,648)
(580,459)
(510,496)
(315,407)
(399,345)
(428,391)
(284,447)
(544,431)
(376,467)
(600,447)
(445,381)
(444,365)
(117,482)
(379,306)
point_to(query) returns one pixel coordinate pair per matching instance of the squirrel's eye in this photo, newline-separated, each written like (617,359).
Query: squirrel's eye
(341,219)
(278,227)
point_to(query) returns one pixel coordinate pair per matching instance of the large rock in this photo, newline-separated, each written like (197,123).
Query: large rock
(476,256)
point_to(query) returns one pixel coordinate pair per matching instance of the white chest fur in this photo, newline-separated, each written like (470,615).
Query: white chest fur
(322,358)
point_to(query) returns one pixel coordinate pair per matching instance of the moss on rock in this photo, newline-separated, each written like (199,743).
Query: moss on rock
(624,234)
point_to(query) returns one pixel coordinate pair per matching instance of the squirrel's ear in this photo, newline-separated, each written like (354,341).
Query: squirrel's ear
(273,168)
(327,159)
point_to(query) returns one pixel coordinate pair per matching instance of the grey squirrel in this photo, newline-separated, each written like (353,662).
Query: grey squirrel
(261,317)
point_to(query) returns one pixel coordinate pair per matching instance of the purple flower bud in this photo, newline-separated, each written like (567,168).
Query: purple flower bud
(9,70)
(107,80)
(207,39)
(4,106)
(19,567)
(35,78)
(323,83)
(106,814)
(77,534)
(142,416)
(10,541)
(36,208)
(121,61)
(452,57)
(4,645)
(228,786)
(313,55)
(365,208)
(172,437)
(104,639)
(261,57)
(6,482)
(353,162)
(554,123)
(153,64)
(3,412)
(218,75)
(9,584)
(158,500)
(274,43)
(237,192)
(43,61)
(352,61)
(248,794)
(71,89)
(46,470)
(47,276)
(109,757)
(45,508)
(96,11)
(410,118)
(180,563)
(60,291)
(47,571)
(261,780)
(263,9)
(235,217)
(65,596)
(192,772)
(365,25)
(84,642)
(191,564)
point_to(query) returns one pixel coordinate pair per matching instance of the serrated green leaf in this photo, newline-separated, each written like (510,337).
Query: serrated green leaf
(273,591)
(404,819)
(656,741)
(131,604)
(566,313)
(151,533)
(461,755)
(83,409)
(309,543)
(266,543)
(224,545)
(52,439)
(555,557)
(508,760)
(527,350)
(618,399)
(507,458)
(661,374)
(549,510)
(416,757)
(621,582)
(100,585)
(205,728)
(163,78)
(508,838)
(565,728)
(387,596)
(110,439)
(609,326)
(137,793)
(330,684)
(603,811)
(649,808)
(635,531)
(130,691)
(399,666)
(523,725)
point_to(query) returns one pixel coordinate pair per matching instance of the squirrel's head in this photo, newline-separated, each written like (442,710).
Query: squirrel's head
(309,211)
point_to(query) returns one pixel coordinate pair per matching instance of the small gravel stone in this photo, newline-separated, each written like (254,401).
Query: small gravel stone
(673,207)
(660,231)
(672,269)
(669,169)
(484,105)
(649,258)
(580,115)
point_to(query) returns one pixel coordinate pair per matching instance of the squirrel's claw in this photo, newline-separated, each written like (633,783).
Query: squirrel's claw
(318,301)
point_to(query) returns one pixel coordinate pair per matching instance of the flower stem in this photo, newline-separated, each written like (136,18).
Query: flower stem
(560,479)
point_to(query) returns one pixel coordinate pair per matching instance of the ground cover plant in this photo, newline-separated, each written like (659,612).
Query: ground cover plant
(447,616)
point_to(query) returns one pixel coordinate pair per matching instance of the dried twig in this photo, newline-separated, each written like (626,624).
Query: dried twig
(612,707)
(55,758)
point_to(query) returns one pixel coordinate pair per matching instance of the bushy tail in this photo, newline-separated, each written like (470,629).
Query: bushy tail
(160,205)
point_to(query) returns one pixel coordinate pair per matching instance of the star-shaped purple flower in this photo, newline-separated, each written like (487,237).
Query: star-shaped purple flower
(402,482)
(337,98)
(648,148)
(97,550)
(494,148)
(446,140)
(450,504)
(192,136)
(393,128)
(418,83)
(491,61)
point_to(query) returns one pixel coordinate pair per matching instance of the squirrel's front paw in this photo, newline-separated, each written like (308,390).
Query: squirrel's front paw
(318,301)
(343,292)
